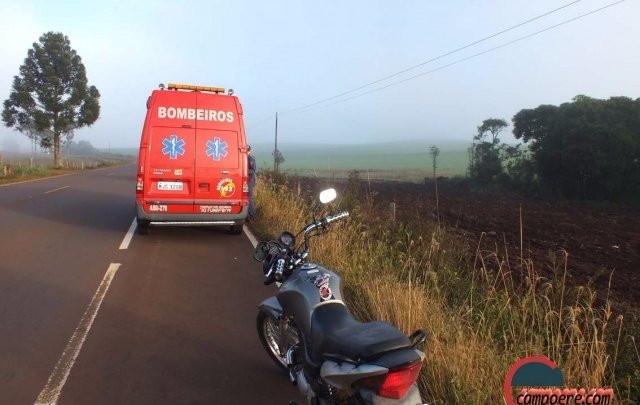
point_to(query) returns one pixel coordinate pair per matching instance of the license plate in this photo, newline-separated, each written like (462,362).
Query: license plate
(170,185)
(158,208)
(215,209)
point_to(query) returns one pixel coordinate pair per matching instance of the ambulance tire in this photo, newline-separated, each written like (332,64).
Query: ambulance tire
(143,227)
(235,229)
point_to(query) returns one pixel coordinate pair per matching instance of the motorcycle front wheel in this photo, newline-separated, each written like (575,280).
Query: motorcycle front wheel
(269,333)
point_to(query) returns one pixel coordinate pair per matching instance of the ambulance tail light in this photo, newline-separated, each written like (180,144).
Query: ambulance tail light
(245,188)
(140,184)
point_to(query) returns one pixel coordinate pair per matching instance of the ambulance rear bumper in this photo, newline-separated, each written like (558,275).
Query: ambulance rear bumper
(191,219)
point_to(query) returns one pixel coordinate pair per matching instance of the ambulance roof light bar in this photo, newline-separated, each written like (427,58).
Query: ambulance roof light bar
(175,86)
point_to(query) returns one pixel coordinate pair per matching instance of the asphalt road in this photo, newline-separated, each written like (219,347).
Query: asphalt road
(169,320)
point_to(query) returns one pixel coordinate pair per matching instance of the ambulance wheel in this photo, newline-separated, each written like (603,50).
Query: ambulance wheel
(235,229)
(143,227)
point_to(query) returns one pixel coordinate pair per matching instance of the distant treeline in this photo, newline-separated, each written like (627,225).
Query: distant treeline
(586,148)
(85,148)
(80,148)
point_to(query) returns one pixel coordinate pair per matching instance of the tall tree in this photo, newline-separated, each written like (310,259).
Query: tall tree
(50,98)
(434,151)
(585,148)
(485,164)
(278,159)
(492,126)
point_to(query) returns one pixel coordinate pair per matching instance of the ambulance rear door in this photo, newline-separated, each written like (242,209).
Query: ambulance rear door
(170,173)
(218,165)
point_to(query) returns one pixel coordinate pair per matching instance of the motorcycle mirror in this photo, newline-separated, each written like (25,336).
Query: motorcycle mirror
(261,252)
(328,195)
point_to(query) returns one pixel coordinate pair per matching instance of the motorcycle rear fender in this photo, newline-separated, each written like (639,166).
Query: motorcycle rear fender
(272,307)
(398,358)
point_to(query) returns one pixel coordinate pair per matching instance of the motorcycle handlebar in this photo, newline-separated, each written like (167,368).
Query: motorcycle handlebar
(340,215)
(274,269)
(323,222)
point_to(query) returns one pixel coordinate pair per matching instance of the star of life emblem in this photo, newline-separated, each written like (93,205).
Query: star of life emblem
(173,146)
(217,148)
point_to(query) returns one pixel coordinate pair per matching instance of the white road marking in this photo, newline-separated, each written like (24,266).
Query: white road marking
(127,238)
(250,235)
(52,390)
(110,174)
(56,189)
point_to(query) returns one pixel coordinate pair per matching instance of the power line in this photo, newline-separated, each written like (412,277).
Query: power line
(463,59)
(432,59)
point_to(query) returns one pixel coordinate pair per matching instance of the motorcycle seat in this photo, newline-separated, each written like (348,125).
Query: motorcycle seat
(336,333)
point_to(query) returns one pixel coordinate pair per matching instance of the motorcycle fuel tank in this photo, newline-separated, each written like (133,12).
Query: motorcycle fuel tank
(307,288)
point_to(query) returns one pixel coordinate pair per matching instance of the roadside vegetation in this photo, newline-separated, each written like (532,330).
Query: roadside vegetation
(587,148)
(15,171)
(482,312)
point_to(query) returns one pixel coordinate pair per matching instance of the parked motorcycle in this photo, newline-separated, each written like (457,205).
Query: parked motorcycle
(310,333)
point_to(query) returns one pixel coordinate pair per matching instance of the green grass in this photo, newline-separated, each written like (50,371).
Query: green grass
(384,160)
(20,173)
(15,172)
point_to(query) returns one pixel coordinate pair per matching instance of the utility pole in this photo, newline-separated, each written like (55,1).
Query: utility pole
(435,151)
(276,163)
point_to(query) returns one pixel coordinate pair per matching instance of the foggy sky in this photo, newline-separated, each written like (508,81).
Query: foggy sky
(280,55)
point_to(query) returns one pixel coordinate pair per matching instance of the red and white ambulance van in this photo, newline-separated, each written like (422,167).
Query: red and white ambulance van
(192,165)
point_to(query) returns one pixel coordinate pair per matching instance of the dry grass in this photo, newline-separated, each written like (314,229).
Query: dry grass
(481,314)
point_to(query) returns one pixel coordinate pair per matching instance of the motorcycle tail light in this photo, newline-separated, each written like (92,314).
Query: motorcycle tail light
(396,383)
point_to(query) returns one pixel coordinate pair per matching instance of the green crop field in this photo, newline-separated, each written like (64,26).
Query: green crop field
(405,161)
